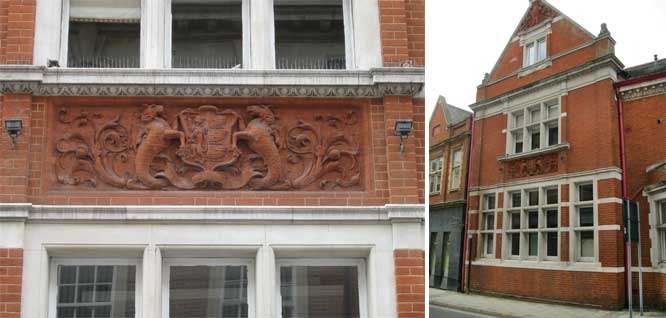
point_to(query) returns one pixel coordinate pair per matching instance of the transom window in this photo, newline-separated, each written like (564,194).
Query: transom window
(456,169)
(487,227)
(531,230)
(535,127)
(322,288)
(436,175)
(585,223)
(534,51)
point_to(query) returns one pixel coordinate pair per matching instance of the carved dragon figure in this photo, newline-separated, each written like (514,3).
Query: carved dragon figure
(155,138)
(261,139)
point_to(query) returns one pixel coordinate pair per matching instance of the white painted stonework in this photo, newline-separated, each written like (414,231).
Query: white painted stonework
(262,235)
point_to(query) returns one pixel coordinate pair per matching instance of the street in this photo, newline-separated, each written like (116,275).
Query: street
(441,312)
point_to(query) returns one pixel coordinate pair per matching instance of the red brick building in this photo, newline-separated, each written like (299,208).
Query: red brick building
(200,158)
(547,177)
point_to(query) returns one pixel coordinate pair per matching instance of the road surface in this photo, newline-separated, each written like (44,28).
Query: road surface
(441,312)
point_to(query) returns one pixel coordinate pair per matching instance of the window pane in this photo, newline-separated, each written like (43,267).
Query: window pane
(202,291)
(536,140)
(67,274)
(541,49)
(530,54)
(104,34)
(515,244)
(553,109)
(490,221)
(518,120)
(586,216)
(533,197)
(490,202)
(663,213)
(535,115)
(585,192)
(515,199)
(515,220)
(551,196)
(206,34)
(587,244)
(551,218)
(319,291)
(551,242)
(489,243)
(309,36)
(534,244)
(96,290)
(533,219)
(553,135)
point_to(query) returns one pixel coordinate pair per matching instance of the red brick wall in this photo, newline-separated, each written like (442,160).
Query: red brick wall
(402,24)
(14,163)
(566,286)
(17,28)
(11,274)
(419,132)
(410,282)
(446,152)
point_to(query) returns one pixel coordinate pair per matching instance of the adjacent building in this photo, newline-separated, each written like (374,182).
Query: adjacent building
(233,158)
(450,132)
(563,132)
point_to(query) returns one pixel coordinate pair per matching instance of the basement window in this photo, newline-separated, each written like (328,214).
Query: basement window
(104,34)
(310,34)
(207,34)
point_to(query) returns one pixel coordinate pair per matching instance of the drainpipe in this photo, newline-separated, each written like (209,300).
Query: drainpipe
(623,157)
(467,200)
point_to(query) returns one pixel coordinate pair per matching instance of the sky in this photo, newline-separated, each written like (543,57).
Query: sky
(464,39)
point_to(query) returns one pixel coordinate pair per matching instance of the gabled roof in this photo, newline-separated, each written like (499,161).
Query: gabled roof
(452,114)
(537,12)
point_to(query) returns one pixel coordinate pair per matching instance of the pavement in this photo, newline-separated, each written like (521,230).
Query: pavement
(450,304)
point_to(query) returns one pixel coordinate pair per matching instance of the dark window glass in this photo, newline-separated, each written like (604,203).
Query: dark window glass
(536,140)
(490,202)
(194,290)
(320,291)
(534,244)
(551,242)
(103,45)
(533,197)
(552,136)
(585,192)
(533,219)
(551,218)
(206,34)
(489,243)
(515,199)
(309,36)
(587,244)
(515,220)
(490,221)
(519,147)
(586,216)
(515,244)
(551,196)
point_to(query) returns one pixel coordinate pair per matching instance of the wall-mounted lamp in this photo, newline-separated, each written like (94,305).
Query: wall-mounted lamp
(403,128)
(13,127)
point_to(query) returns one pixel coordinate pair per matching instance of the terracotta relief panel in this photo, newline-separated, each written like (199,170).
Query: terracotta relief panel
(533,166)
(206,147)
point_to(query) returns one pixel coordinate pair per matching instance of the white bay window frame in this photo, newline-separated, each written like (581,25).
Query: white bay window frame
(521,125)
(359,263)
(53,283)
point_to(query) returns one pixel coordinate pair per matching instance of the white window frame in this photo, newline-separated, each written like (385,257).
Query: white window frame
(484,232)
(577,229)
(360,268)
(350,54)
(529,124)
(534,42)
(247,29)
(436,175)
(64,34)
(168,262)
(453,185)
(53,278)
(661,230)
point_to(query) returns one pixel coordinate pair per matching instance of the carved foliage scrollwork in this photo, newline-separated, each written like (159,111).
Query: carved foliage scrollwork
(208,148)
(533,166)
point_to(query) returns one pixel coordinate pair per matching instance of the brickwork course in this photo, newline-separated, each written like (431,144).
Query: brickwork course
(35,174)
(589,151)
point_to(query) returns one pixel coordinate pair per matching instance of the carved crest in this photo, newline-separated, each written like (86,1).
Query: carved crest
(533,166)
(208,147)
(537,13)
